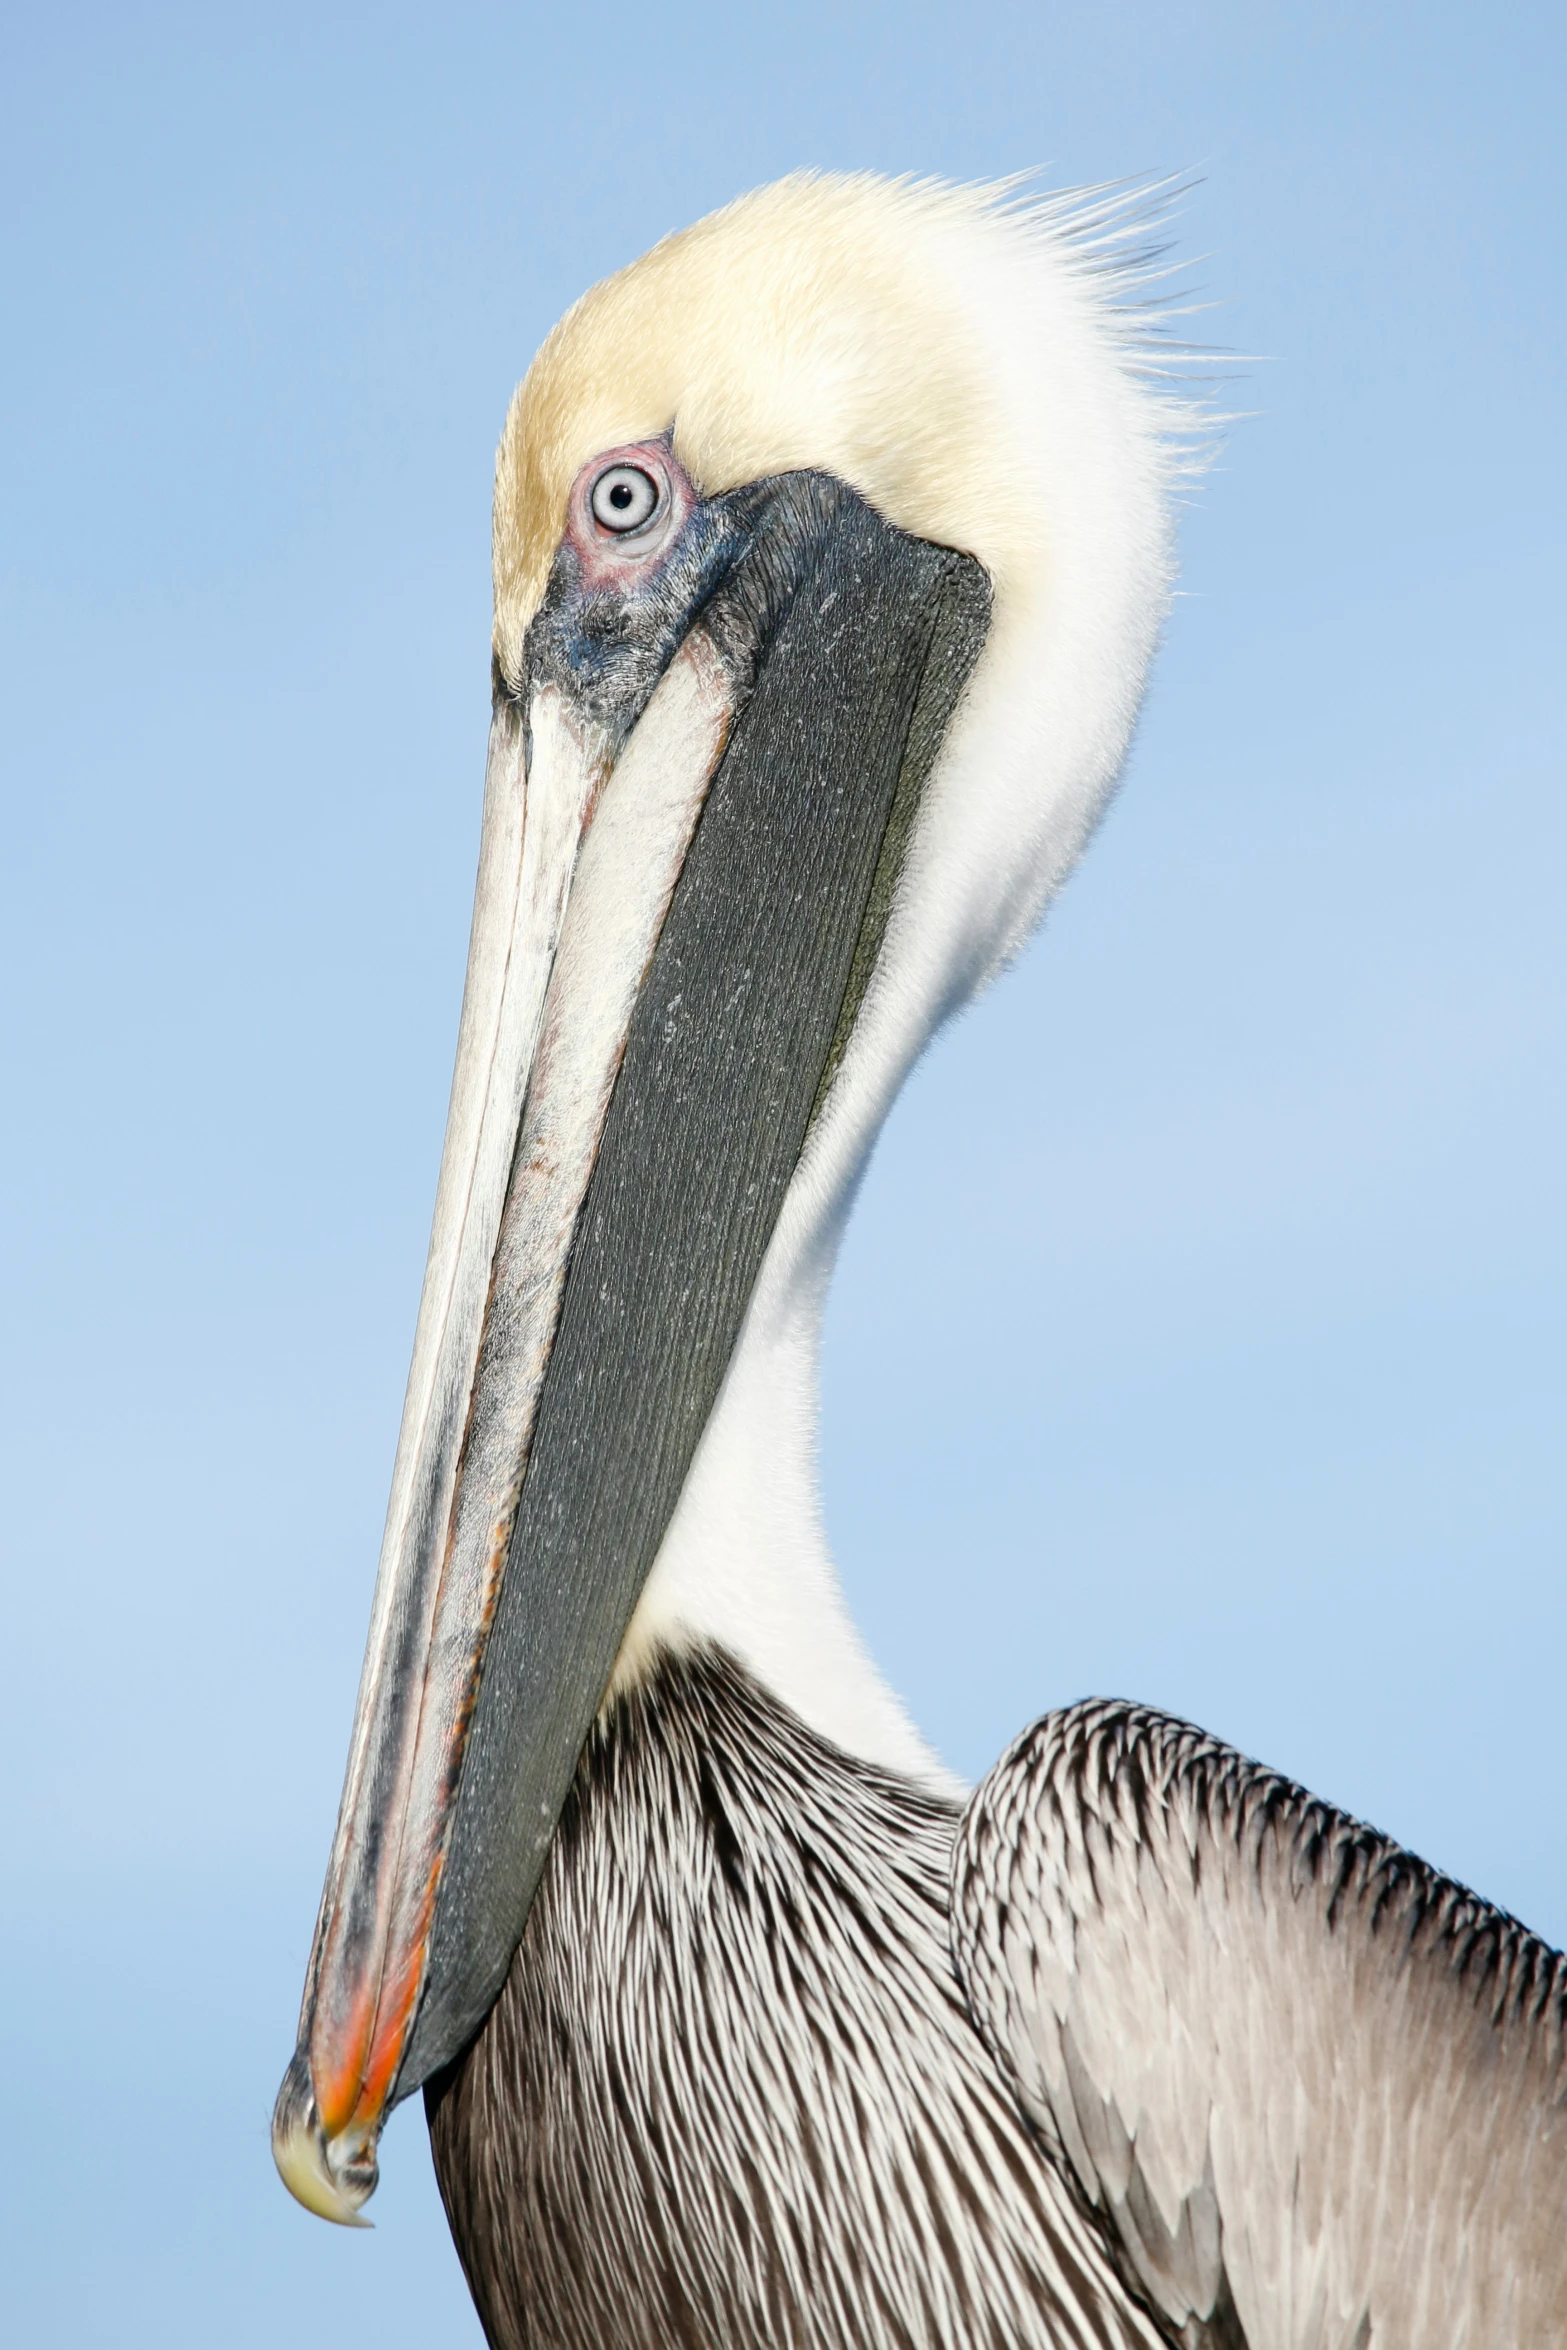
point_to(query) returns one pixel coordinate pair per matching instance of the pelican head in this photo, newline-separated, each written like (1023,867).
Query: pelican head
(830,546)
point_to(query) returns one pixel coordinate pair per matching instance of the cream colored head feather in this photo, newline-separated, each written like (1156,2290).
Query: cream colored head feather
(867,327)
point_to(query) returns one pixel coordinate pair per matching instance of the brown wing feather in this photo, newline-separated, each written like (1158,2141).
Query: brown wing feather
(1318,2091)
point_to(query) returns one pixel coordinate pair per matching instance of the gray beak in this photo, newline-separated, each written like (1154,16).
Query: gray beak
(673,932)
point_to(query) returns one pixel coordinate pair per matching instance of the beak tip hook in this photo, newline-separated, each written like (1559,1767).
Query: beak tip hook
(330,2177)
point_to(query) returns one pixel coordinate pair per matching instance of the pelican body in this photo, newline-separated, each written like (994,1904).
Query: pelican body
(831,546)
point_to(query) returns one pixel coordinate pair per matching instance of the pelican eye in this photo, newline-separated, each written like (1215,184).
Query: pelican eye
(624,497)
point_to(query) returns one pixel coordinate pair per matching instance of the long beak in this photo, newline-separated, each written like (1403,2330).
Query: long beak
(668,946)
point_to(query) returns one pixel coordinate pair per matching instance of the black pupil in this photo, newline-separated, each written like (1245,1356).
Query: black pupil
(620,495)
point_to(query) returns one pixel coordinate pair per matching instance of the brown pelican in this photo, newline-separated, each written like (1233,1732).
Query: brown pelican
(831,544)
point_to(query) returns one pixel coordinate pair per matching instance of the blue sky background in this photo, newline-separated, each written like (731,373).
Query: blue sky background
(1199,1336)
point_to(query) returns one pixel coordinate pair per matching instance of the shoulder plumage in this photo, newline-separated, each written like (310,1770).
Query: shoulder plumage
(1313,2087)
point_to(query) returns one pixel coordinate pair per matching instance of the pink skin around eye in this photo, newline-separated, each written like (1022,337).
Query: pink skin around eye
(620,559)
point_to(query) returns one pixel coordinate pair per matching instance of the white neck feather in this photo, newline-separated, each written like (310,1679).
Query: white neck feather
(745,1561)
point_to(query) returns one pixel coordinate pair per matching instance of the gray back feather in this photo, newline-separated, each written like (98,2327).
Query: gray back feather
(1317,2091)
